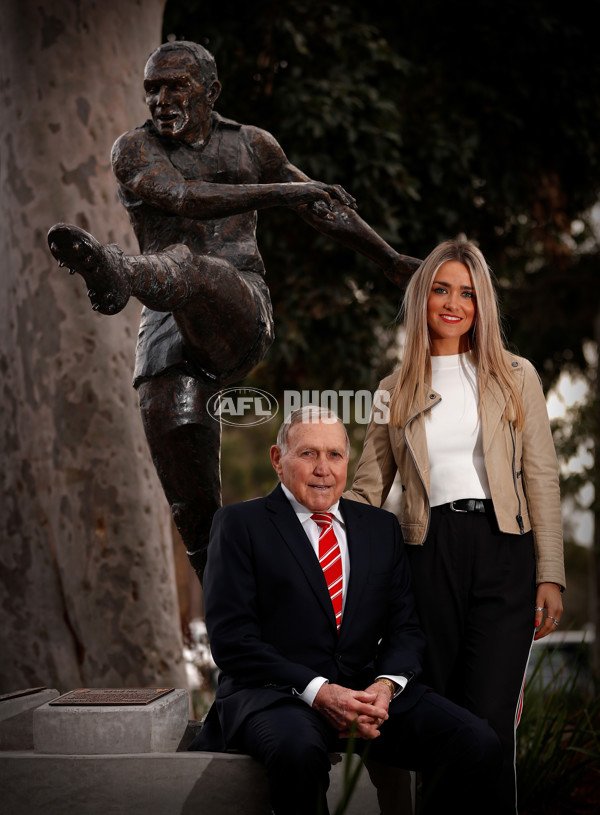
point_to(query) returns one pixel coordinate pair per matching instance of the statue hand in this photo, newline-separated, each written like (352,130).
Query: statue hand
(325,208)
(339,193)
(321,198)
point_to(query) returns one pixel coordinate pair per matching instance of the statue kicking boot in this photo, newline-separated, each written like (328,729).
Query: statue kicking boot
(102,267)
(192,183)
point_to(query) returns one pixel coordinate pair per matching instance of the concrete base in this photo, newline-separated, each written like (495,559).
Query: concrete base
(154,728)
(16,718)
(157,784)
(122,760)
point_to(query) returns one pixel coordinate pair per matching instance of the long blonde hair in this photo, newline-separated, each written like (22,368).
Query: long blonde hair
(486,340)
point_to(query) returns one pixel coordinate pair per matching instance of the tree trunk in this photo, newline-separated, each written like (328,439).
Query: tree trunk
(87,589)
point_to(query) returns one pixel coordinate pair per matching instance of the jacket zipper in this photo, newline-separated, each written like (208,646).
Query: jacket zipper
(514,472)
(408,447)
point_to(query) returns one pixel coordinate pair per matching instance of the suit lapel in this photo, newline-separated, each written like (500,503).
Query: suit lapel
(357,536)
(294,537)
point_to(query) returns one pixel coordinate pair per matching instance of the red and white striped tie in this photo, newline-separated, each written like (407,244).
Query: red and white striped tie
(330,559)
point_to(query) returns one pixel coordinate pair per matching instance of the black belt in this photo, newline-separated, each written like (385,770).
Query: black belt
(469,505)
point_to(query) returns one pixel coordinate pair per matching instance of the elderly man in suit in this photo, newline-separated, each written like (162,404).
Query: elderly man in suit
(312,623)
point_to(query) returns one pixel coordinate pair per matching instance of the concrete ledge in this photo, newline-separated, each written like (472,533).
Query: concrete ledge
(16,717)
(156,784)
(102,729)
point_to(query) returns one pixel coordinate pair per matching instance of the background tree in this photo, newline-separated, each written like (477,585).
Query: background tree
(86,574)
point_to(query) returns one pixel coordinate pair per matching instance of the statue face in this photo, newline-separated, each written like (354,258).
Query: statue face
(180,103)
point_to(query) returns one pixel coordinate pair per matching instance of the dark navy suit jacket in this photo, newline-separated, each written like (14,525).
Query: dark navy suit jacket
(270,620)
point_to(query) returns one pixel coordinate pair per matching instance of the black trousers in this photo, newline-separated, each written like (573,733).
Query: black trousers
(475,592)
(293,741)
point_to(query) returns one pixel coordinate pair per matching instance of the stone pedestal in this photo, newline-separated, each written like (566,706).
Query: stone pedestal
(16,716)
(157,784)
(157,727)
(124,760)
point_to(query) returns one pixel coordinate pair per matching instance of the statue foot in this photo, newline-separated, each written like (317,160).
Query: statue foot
(101,266)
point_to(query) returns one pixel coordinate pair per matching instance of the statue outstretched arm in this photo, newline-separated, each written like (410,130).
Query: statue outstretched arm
(338,219)
(348,228)
(344,224)
(141,165)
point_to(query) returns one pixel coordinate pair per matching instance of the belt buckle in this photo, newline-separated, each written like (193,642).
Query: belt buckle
(456,509)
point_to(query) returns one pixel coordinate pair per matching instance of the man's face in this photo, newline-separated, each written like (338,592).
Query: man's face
(179,101)
(315,466)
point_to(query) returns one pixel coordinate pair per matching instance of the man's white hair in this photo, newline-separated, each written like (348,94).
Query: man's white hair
(308,414)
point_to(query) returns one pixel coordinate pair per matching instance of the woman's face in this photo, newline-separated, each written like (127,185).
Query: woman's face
(451,309)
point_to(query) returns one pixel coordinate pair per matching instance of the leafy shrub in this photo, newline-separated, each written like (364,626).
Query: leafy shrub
(558,739)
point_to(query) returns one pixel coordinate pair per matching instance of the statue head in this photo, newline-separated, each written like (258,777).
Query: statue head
(181,85)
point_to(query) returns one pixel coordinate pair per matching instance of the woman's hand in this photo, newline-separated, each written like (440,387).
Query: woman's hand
(549,599)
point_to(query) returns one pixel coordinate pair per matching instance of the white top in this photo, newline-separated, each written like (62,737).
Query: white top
(457,468)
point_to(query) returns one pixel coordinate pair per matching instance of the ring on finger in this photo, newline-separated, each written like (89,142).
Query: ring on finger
(539,608)
(554,620)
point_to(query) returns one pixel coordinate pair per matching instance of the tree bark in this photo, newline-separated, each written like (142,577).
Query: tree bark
(87,588)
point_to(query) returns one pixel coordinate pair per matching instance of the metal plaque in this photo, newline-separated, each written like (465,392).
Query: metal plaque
(111,696)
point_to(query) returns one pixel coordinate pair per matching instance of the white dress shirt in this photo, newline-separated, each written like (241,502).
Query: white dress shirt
(312,532)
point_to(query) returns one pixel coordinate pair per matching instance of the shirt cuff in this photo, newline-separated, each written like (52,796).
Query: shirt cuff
(311,690)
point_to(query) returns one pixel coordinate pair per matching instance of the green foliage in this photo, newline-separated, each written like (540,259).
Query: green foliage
(558,739)
(573,434)
(352,769)
(441,118)
(245,460)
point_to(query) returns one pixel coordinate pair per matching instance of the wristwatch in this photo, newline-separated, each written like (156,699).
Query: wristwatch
(394,689)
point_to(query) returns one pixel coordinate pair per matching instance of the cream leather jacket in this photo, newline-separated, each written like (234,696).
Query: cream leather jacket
(521,466)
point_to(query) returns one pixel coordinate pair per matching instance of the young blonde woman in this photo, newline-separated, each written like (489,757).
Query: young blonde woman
(468,433)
